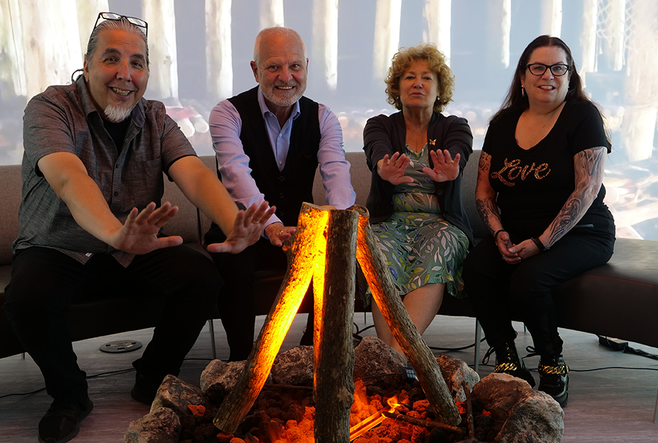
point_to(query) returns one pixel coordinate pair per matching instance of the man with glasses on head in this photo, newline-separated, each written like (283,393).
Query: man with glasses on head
(90,217)
(269,141)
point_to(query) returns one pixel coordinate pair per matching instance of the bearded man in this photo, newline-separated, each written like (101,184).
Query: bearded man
(90,219)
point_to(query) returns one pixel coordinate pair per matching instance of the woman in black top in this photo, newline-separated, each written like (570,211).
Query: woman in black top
(540,193)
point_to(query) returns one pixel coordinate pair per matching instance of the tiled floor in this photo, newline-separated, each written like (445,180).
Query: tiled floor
(612,394)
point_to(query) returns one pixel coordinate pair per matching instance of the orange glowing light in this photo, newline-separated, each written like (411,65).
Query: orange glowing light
(307,247)
(374,420)
(309,257)
(198,410)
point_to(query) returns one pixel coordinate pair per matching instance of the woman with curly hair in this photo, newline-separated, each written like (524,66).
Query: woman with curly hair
(417,157)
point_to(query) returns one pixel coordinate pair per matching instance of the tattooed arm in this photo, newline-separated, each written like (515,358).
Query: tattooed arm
(588,168)
(485,196)
(485,201)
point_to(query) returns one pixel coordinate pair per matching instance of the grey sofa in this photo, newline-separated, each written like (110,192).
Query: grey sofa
(619,299)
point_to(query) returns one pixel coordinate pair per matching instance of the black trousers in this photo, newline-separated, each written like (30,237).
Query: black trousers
(237,308)
(45,282)
(499,291)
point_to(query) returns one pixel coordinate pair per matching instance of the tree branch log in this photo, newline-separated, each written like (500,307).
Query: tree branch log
(333,286)
(390,304)
(301,251)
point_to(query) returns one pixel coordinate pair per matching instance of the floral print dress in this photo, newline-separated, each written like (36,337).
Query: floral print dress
(419,245)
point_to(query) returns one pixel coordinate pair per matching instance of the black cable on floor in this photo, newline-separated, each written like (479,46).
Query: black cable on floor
(89,377)
(22,393)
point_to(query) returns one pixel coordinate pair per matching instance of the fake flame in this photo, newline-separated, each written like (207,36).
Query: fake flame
(373,420)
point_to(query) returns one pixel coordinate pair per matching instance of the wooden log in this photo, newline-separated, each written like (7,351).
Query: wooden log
(301,250)
(334,349)
(390,304)
(420,422)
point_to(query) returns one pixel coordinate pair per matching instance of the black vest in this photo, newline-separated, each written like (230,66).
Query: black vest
(289,188)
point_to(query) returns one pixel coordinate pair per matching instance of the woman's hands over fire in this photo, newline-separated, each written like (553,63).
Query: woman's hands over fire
(445,167)
(392,169)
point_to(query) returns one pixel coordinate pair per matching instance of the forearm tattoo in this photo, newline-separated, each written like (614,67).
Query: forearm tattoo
(488,210)
(486,207)
(589,165)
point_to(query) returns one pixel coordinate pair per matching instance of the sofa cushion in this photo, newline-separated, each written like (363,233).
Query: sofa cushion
(10,183)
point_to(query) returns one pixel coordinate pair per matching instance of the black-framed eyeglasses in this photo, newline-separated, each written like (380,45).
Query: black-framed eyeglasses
(557,69)
(117,18)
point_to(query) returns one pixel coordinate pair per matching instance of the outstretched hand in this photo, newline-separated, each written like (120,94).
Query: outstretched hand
(247,229)
(392,170)
(278,234)
(139,233)
(445,168)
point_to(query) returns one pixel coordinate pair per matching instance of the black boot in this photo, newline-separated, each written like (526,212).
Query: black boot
(62,420)
(554,378)
(145,389)
(508,362)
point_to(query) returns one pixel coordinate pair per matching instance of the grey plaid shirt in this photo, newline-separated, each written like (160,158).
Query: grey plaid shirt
(64,119)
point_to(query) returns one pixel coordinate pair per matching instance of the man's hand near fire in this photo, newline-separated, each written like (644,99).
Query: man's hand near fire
(246,231)
(277,233)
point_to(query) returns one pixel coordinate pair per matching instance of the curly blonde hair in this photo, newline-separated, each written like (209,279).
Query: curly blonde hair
(401,62)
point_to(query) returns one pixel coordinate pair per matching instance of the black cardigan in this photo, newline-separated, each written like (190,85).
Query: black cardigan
(387,134)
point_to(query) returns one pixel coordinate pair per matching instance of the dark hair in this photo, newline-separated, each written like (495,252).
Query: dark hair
(122,24)
(401,62)
(516,101)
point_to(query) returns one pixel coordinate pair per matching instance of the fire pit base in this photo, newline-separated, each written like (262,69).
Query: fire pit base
(504,408)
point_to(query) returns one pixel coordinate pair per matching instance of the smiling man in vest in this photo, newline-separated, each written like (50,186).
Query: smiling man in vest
(269,142)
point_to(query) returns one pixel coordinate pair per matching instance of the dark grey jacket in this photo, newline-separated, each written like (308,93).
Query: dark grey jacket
(387,134)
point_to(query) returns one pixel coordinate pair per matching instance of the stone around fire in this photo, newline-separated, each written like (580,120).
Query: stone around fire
(294,367)
(524,414)
(219,377)
(373,358)
(160,425)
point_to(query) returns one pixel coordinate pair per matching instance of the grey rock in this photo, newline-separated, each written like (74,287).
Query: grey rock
(294,367)
(373,357)
(537,417)
(178,396)
(161,425)
(499,393)
(455,371)
(224,374)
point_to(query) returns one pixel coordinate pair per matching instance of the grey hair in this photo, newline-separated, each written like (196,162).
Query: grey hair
(276,30)
(123,25)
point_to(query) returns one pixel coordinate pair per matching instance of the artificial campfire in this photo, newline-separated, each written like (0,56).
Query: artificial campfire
(325,249)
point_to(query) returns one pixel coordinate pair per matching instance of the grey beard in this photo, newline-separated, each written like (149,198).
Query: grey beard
(117,114)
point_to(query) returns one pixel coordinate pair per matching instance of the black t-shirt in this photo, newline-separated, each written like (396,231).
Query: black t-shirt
(117,131)
(534,184)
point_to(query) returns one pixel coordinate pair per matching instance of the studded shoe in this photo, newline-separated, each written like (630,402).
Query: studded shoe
(508,362)
(554,378)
